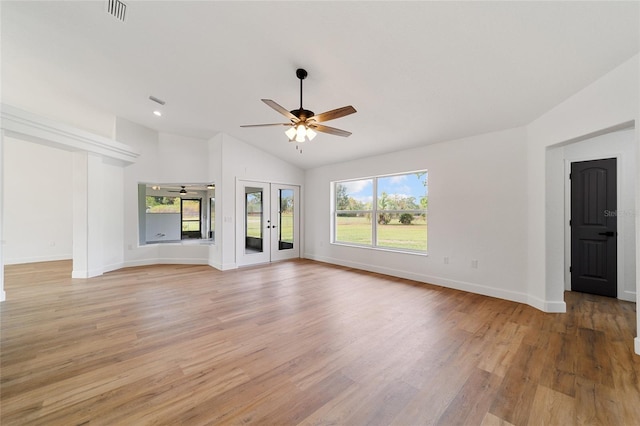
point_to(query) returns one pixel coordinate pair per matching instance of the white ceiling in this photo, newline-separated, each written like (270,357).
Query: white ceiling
(417,72)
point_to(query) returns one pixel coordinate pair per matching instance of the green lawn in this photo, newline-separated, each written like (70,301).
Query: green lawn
(286,227)
(394,235)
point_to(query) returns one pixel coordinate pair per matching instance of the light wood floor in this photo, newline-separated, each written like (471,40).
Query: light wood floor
(302,342)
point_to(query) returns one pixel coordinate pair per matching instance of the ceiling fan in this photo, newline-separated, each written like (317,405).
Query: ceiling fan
(182,191)
(303,123)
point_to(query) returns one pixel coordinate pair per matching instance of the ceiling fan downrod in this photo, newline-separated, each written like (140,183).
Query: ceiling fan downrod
(302,113)
(301,74)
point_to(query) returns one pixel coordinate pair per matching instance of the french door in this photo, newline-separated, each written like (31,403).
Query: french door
(268,225)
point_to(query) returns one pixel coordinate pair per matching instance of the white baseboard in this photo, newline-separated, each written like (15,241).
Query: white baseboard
(514,296)
(629,296)
(84,274)
(165,261)
(637,345)
(557,307)
(223,266)
(79,274)
(112,267)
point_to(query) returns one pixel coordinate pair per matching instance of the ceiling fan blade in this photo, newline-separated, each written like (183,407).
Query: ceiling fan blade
(265,125)
(333,114)
(282,110)
(330,130)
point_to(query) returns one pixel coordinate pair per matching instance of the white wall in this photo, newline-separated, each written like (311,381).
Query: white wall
(243,161)
(111,204)
(38,222)
(477,211)
(620,145)
(164,158)
(3,294)
(217,251)
(74,182)
(97,215)
(608,103)
(167,158)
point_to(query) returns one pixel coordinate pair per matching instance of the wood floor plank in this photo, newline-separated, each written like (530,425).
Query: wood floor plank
(492,420)
(303,342)
(472,400)
(551,407)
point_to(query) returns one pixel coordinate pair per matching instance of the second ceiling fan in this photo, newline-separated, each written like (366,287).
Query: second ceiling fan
(304,123)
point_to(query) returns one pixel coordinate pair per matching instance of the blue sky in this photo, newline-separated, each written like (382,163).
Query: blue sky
(408,185)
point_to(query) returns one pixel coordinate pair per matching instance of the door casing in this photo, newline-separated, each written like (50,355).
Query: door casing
(270,244)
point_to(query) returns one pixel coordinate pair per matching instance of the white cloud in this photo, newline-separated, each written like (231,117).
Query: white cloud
(356,186)
(397,179)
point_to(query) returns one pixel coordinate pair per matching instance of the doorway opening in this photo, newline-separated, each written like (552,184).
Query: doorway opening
(269,222)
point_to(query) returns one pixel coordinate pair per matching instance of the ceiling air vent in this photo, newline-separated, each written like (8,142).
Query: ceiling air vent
(117,9)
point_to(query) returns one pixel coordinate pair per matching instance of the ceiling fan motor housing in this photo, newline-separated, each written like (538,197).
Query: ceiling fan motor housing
(302,114)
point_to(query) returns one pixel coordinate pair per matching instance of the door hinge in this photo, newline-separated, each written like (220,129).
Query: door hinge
(569,176)
(569,222)
(570,268)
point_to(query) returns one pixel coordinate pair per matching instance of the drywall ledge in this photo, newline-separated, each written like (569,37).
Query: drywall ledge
(17,122)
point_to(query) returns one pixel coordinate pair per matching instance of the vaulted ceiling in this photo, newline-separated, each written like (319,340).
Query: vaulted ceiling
(417,72)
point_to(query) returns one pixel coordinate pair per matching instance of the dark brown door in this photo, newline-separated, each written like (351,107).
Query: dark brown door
(594,227)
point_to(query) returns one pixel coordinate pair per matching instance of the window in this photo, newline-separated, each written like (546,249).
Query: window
(387,212)
(162,204)
(191,218)
(172,212)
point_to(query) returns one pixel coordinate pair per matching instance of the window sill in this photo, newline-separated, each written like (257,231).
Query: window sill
(383,249)
(187,242)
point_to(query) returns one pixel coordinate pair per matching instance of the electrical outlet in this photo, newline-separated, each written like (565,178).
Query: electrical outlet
(474,264)
(446,260)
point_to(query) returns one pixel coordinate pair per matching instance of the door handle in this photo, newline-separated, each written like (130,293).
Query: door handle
(608,233)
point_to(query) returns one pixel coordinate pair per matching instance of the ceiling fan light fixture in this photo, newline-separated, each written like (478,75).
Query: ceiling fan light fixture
(310,133)
(301,132)
(291,133)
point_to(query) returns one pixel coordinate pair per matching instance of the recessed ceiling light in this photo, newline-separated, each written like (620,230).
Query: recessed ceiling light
(157,113)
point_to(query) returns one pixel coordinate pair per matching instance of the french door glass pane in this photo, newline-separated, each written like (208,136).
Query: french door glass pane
(285,215)
(253,220)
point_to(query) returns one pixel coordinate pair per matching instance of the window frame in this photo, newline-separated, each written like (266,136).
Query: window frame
(374,211)
(185,234)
